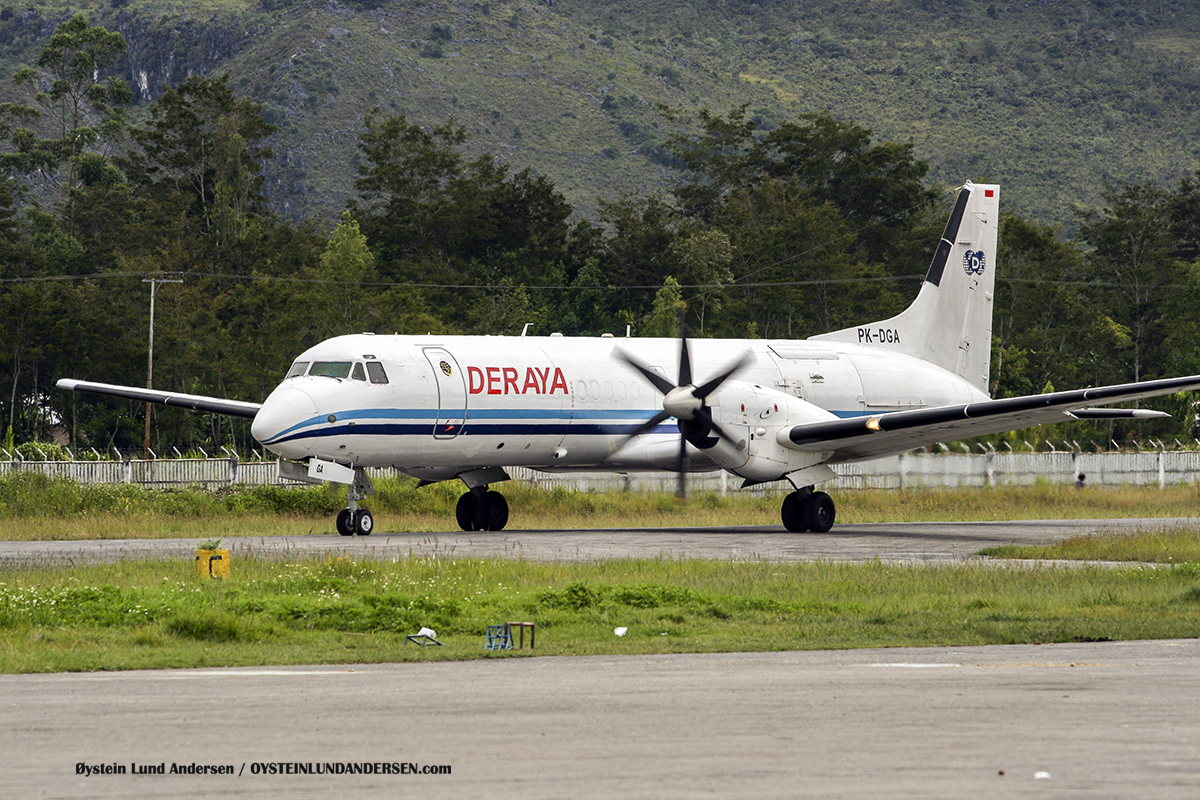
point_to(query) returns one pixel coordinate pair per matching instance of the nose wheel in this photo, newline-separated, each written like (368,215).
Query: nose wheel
(806,510)
(353,520)
(350,522)
(482,510)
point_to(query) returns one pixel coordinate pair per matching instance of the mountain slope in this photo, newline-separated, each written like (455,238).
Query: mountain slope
(1051,99)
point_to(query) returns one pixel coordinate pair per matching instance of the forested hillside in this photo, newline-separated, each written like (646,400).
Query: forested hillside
(453,197)
(1051,98)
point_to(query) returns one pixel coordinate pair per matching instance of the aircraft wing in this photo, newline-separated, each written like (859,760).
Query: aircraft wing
(878,435)
(196,402)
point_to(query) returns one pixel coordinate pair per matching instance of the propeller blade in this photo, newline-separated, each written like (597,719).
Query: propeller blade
(708,387)
(656,380)
(685,363)
(680,475)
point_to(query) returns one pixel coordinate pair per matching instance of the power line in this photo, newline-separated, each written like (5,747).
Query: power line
(566,287)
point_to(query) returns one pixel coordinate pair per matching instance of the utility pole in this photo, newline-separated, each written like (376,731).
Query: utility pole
(154,284)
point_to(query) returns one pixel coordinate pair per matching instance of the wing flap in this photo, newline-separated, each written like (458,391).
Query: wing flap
(196,402)
(883,434)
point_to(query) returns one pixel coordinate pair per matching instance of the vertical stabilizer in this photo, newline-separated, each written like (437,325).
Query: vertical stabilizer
(950,322)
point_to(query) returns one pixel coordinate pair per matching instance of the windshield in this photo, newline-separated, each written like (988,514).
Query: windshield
(331,369)
(298,369)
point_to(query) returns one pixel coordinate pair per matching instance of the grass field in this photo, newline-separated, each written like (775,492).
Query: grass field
(148,614)
(34,507)
(159,614)
(1153,546)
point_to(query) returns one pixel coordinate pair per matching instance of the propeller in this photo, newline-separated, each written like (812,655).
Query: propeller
(684,401)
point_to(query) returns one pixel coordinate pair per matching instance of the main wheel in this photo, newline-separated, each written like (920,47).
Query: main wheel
(819,512)
(793,513)
(464,512)
(364,523)
(345,522)
(492,512)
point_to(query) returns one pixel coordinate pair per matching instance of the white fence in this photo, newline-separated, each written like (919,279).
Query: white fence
(895,472)
(928,470)
(208,472)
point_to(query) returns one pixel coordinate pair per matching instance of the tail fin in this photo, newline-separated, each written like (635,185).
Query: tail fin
(950,322)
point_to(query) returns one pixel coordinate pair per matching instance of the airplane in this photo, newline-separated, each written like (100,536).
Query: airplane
(466,407)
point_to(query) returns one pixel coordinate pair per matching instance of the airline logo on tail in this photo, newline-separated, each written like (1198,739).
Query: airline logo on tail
(974,262)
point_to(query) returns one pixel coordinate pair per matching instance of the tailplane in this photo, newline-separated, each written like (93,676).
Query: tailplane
(950,322)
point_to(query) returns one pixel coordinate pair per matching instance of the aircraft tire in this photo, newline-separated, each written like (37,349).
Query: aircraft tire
(364,523)
(792,513)
(464,512)
(345,522)
(492,512)
(819,512)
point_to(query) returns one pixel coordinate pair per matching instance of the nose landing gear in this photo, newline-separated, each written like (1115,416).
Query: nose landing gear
(352,519)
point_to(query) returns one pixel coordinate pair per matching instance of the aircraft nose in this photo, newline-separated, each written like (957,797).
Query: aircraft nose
(282,424)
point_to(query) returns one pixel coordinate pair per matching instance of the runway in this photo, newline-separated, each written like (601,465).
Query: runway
(1095,720)
(1112,720)
(900,542)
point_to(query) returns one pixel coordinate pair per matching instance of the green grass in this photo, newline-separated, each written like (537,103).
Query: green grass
(1165,546)
(36,507)
(156,614)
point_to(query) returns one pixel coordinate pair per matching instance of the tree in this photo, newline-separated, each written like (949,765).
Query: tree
(666,312)
(403,184)
(1134,267)
(347,263)
(876,187)
(1043,328)
(197,167)
(75,108)
(704,257)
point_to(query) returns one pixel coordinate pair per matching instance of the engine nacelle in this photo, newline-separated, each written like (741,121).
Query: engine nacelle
(753,415)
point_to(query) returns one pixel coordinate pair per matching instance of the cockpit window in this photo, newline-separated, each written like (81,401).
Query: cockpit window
(331,369)
(375,370)
(298,369)
(358,374)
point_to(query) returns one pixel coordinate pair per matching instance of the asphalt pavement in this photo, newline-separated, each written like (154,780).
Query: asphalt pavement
(902,542)
(1095,720)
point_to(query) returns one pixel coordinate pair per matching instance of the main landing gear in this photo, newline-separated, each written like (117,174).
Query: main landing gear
(481,509)
(806,510)
(352,519)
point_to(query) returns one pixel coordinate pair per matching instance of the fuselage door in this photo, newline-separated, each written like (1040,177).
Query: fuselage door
(452,393)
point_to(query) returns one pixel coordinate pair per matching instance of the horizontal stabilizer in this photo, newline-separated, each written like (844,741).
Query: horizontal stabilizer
(213,405)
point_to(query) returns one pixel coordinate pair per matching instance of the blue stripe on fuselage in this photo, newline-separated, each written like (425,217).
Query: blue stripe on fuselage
(552,422)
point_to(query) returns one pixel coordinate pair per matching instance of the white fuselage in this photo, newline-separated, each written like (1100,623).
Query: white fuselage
(451,404)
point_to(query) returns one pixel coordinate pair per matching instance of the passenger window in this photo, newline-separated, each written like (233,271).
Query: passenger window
(375,370)
(358,373)
(298,369)
(331,369)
